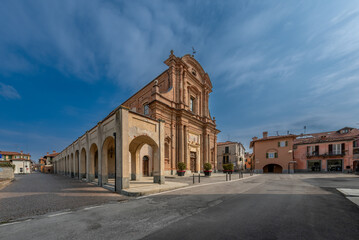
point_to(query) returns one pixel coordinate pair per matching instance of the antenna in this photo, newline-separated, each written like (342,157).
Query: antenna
(305,129)
(193,52)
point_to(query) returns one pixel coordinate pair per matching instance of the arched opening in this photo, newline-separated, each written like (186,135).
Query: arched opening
(272,168)
(83,164)
(93,168)
(167,156)
(108,161)
(68,166)
(152,159)
(72,165)
(77,162)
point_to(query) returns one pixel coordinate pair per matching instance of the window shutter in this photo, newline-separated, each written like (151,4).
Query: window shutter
(266,155)
(343,147)
(308,149)
(286,143)
(278,144)
(330,148)
(317,149)
(276,155)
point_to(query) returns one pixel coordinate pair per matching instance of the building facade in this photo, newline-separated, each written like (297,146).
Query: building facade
(273,154)
(335,151)
(180,96)
(22,161)
(231,152)
(46,162)
(166,122)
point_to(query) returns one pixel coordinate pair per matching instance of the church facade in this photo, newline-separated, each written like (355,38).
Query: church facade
(179,96)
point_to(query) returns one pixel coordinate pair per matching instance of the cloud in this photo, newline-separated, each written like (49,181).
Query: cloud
(8,92)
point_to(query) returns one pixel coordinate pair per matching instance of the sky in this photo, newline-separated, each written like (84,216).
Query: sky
(274,65)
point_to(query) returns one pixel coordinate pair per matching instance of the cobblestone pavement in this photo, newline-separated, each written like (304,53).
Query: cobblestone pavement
(38,193)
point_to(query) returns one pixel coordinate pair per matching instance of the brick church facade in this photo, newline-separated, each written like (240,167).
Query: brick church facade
(179,96)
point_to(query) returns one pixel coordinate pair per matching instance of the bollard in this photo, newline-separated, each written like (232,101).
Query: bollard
(199,178)
(193,178)
(230,177)
(226,176)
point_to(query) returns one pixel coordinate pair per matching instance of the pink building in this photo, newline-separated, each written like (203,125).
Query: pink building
(336,151)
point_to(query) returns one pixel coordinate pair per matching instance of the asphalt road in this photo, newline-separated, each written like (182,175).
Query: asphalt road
(305,206)
(38,193)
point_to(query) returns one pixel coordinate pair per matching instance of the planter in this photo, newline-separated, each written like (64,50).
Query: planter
(228,171)
(181,173)
(207,173)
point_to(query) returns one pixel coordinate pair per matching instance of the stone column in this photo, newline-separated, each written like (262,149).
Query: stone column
(180,141)
(99,153)
(215,167)
(122,150)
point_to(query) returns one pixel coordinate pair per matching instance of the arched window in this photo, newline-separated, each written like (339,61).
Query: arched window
(146,109)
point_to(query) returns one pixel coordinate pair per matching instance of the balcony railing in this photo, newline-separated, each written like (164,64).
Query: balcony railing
(226,152)
(327,154)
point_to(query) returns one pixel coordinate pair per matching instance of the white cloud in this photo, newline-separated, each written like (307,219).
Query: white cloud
(8,92)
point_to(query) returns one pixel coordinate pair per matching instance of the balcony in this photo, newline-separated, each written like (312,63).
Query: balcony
(327,154)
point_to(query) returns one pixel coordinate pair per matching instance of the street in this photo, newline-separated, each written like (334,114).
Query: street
(273,206)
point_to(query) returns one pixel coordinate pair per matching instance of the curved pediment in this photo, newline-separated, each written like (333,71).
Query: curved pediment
(196,69)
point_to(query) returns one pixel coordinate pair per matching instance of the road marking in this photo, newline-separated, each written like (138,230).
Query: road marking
(58,214)
(91,207)
(194,186)
(7,224)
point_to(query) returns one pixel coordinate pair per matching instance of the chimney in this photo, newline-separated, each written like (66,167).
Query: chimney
(47,153)
(265,134)
(254,138)
(53,151)
(21,152)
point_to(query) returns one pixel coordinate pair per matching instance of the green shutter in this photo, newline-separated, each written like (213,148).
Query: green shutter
(266,155)
(276,155)
(278,144)
(286,143)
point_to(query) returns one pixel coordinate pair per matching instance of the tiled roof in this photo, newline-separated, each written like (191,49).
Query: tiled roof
(272,138)
(52,154)
(327,136)
(226,143)
(13,153)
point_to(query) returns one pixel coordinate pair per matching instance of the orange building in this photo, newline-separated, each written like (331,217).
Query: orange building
(335,151)
(273,153)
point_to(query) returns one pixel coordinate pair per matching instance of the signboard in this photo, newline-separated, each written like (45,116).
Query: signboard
(1,157)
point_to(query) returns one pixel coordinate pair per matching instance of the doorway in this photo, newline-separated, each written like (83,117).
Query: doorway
(145,166)
(193,159)
(335,165)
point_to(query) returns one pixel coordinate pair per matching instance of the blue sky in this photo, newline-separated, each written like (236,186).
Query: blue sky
(274,65)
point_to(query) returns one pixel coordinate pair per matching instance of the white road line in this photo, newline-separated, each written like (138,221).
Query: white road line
(58,214)
(91,207)
(194,186)
(7,224)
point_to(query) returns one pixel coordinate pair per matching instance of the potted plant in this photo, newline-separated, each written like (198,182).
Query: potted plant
(207,169)
(228,168)
(181,169)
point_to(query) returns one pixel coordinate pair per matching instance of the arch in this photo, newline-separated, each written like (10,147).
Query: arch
(136,163)
(108,170)
(272,168)
(93,163)
(77,162)
(68,166)
(72,170)
(83,164)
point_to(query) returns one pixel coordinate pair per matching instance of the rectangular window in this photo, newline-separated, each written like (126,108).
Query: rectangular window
(226,150)
(146,109)
(283,144)
(313,150)
(191,104)
(337,148)
(271,155)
